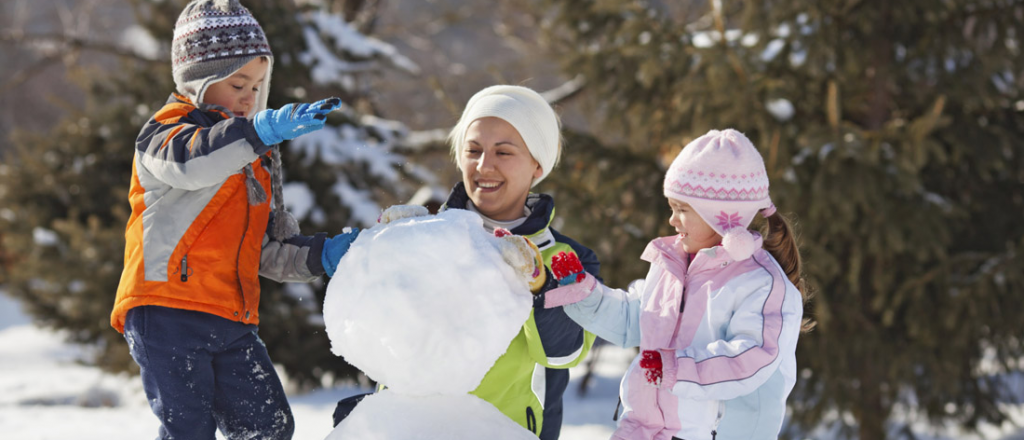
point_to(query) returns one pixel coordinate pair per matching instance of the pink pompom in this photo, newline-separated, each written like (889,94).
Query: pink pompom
(739,243)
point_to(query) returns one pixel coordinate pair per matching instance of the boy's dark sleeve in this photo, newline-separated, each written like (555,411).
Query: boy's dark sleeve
(296,259)
(181,147)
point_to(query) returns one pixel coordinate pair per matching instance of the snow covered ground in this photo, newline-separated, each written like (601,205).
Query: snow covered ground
(46,394)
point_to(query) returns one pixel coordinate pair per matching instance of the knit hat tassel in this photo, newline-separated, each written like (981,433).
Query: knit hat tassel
(257,195)
(285,225)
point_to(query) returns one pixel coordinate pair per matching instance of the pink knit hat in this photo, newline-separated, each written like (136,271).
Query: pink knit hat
(722,176)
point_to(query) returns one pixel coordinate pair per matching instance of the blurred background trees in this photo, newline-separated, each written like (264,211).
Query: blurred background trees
(62,191)
(891,132)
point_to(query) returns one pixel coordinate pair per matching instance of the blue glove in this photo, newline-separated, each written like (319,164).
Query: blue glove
(292,120)
(335,248)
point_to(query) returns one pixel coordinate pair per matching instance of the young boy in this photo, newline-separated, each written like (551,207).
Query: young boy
(202,230)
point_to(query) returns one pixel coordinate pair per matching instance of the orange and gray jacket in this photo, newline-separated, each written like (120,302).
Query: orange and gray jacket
(193,240)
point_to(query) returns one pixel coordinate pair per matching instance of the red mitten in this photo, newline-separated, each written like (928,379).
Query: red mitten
(650,361)
(567,268)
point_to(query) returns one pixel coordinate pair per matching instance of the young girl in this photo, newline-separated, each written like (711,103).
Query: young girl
(717,317)
(506,142)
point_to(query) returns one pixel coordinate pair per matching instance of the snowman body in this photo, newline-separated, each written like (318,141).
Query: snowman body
(426,305)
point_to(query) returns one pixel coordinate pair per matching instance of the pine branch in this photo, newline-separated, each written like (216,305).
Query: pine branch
(68,43)
(565,91)
(434,139)
(29,72)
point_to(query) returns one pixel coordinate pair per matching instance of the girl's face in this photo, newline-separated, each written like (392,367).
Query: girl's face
(694,232)
(238,91)
(497,168)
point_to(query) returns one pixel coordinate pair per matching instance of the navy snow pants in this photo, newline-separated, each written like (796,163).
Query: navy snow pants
(202,372)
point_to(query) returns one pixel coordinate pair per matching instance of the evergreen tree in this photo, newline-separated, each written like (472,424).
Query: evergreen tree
(891,131)
(63,195)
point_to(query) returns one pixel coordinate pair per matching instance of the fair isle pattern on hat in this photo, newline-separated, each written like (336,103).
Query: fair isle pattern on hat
(697,183)
(211,34)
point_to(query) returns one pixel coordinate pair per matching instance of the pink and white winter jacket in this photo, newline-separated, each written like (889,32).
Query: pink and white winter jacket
(733,326)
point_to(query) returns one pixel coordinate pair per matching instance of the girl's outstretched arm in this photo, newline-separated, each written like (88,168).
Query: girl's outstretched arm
(612,314)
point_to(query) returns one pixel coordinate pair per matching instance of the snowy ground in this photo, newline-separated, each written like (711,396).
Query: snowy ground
(46,394)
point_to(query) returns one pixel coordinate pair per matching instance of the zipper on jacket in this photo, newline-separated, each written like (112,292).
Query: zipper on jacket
(238,259)
(184,268)
(682,297)
(531,420)
(615,416)
(721,414)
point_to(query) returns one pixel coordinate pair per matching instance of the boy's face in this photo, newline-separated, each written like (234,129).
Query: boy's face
(497,168)
(238,92)
(694,233)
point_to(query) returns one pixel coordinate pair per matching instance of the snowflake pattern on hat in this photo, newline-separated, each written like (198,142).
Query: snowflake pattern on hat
(728,221)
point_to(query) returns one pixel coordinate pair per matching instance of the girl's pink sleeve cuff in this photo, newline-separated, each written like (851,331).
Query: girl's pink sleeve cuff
(570,294)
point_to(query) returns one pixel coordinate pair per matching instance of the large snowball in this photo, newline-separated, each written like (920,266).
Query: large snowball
(391,416)
(425,305)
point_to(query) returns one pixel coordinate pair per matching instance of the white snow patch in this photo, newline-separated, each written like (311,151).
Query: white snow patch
(359,201)
(328,62)
(140,41)
(461,417)
(44,237)
(772,49)
(780,108)
(797,57)
(426,304)
(298,199)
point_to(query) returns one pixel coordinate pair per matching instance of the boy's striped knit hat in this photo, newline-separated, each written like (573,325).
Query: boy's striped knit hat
(212,40)
(722,176)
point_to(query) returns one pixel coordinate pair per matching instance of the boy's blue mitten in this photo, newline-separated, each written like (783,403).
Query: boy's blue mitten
(292,120)
(335,248)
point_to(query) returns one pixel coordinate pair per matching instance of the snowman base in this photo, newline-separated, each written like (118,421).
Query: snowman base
(391,416)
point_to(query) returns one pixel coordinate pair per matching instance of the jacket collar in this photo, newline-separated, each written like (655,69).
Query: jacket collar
(665,252)
(542,209)
(177,98)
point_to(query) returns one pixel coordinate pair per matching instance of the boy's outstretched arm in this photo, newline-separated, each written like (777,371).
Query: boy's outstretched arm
(183,147)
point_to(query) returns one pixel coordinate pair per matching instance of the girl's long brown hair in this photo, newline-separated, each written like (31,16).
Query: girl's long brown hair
(780,241)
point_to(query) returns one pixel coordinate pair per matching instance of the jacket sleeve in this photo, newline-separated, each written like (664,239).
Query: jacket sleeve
(555,340)
(179,151)
(296,259)
(762,332)
(612,314)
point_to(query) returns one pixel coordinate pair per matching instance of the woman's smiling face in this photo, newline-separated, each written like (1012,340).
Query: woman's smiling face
(497,168)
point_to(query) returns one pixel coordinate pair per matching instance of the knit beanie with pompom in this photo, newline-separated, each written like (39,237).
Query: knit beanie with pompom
(722,176)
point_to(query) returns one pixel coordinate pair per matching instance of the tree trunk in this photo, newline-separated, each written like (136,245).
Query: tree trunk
(872,413)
